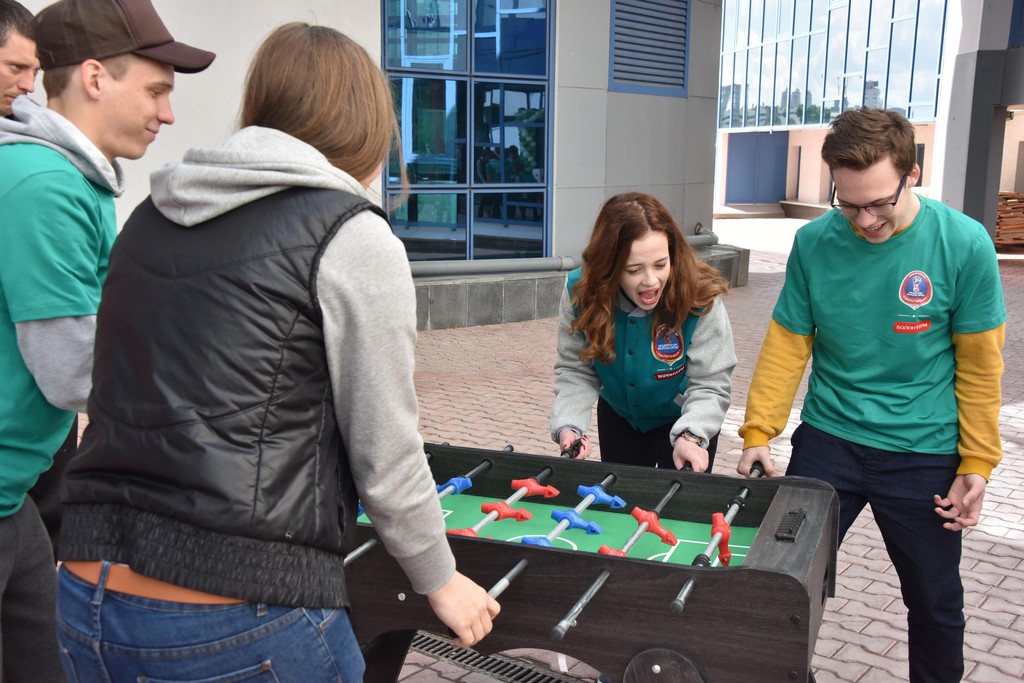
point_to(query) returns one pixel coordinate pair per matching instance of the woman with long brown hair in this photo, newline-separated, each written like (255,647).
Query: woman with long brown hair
(253,382)
(644,333)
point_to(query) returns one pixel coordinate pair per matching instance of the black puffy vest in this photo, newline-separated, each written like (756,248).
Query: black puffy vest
(211,412)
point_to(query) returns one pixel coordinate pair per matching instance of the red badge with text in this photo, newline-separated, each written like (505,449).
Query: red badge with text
(912,326)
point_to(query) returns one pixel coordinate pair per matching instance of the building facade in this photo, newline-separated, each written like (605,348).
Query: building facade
(791,66)
(518,117)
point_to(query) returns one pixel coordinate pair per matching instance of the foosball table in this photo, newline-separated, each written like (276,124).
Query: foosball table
(648,575)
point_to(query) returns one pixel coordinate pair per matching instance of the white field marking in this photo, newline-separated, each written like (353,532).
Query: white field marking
(569,544)
(665,556)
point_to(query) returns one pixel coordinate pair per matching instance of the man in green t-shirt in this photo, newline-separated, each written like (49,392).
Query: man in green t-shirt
(898,300)
(108,72)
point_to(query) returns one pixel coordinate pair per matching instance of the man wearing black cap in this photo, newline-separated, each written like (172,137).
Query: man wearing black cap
(108,72)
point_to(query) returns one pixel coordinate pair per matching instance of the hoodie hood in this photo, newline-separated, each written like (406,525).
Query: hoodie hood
(35,124)
(253,163)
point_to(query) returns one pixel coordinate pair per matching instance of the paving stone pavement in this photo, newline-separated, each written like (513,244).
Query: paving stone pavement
(490,386)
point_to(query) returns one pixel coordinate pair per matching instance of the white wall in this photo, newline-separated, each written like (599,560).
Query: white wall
(610,142)
(206,105)
(1012,178)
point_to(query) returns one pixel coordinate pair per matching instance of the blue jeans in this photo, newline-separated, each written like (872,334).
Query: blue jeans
(109,637)
(899,487)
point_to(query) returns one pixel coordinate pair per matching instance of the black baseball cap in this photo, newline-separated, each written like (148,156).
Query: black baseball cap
(69,32)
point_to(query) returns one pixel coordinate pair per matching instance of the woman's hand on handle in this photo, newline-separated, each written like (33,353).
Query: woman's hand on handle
(567,443)
(686,452)
(465,608)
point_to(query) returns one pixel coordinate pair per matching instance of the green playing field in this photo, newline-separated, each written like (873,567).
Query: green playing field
(463,511)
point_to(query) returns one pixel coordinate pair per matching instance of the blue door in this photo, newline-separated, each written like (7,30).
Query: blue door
(756,168)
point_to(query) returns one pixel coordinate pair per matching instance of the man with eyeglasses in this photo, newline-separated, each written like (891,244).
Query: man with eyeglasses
(898,300)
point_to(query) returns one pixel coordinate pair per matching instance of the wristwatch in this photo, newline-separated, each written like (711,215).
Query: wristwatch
(691,437)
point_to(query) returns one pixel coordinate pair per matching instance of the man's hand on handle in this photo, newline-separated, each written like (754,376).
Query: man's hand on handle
(761,454)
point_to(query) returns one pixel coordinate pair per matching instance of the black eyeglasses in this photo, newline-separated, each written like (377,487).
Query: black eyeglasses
(883,209)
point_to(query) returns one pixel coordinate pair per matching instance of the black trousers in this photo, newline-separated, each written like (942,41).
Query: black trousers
(28,593)
(622,444)
(899,487)
(46,493)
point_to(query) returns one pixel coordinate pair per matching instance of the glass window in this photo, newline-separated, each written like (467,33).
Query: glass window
(819,15)
(473,132)
(431,225)
(881,20)
(508,225)
(875,78)
(853,92)
(764,114)
(509,36)
(432,119)
(771,19)
(786,18)
(815,80)
(783,96)
(508,132)
(725,96)
(926,60)
(802,17)
(900,60)
(798,81)
(729,19)
(835,66)
(756,21)
(739,89)
(856,42)
(904,8)
(426,34)
(753,81)
(743,23)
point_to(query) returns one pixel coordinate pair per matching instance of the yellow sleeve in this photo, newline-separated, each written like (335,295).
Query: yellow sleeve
(780,366)
(979,370)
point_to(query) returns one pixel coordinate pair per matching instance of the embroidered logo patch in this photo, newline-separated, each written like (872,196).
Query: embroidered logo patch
(916,289)
(667,345)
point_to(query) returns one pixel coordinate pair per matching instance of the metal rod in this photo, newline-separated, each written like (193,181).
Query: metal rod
(680,601)
(504,582)
(560,629)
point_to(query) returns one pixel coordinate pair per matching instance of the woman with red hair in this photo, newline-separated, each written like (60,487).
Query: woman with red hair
(644,333)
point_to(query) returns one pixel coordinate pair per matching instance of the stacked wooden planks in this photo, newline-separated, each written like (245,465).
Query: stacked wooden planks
(1010,219)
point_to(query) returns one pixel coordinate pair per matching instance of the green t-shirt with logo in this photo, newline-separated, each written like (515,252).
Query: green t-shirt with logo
(883,316)
(57,231)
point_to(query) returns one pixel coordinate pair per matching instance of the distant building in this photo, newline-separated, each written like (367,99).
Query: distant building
(940,63)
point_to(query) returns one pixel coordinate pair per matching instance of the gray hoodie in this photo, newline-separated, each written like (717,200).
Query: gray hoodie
(34,123)
(367,296)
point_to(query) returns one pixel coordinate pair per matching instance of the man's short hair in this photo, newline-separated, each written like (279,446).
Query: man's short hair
(69,32)
(57,80)
(859,138)
(14,18)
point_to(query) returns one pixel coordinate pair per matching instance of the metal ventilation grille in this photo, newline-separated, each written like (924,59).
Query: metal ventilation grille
(501,668)
(649,46)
